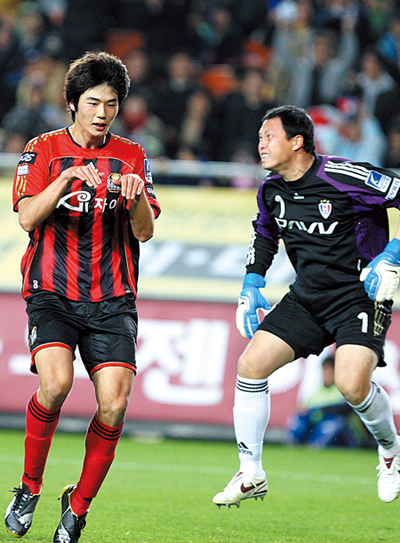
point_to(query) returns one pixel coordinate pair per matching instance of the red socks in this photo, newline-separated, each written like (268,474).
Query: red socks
(101,442)
(40,427)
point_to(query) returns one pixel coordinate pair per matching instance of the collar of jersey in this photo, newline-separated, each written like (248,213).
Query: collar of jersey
(108,136)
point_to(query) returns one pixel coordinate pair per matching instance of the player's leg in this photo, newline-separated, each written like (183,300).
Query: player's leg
(55,370)
(263,355)
(354,365)
(110,330)
(287,332)
(113,385)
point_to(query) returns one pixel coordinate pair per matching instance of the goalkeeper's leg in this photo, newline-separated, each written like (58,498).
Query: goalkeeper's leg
(251,411)
(354,365)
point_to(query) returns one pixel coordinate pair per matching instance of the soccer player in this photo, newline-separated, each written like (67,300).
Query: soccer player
(86,198)
(331,214)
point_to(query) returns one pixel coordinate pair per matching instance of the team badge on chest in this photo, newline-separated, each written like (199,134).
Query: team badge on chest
(111,186)
(325,208)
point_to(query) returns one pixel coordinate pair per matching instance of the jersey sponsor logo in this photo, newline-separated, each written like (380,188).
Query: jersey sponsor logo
(325,208)
(147,172)
(378,181)
(111,186)
(394,189)
(80,202)
(103,203)
(76,201)
(314,227)
(27,158)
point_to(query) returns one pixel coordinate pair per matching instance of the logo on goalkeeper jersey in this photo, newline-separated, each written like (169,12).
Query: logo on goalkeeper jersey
(325,208)
(378,181)
(394,189)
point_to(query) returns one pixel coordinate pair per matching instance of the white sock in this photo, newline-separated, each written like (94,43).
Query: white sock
(251,415)
(376,413)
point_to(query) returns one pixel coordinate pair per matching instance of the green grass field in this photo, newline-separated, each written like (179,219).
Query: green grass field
(161,492)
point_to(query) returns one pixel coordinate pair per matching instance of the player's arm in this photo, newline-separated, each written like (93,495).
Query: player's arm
(33,210)
(142,217)
(141,214)
(373,187)
(259,257)
(381,276)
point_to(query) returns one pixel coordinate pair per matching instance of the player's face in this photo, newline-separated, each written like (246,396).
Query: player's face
(97,108)
(276,151)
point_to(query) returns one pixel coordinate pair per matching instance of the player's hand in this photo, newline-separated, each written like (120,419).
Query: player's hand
(381,276)
(131,185)
(250,301)
(89,174)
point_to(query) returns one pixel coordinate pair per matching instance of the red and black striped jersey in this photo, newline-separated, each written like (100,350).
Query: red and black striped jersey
(85,250)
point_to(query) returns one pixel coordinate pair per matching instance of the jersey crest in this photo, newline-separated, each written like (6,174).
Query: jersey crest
(325,208)
(111,186)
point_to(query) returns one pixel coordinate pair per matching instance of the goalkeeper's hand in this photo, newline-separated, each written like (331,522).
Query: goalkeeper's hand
(381,276)
(250,300)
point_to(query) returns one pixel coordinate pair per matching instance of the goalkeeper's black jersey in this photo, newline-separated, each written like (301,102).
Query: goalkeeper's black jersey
(333,220)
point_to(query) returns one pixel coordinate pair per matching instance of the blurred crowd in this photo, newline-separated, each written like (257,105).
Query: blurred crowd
(203,72)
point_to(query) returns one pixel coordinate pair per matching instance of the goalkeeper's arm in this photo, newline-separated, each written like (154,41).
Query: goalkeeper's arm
(251,300)
(381,276)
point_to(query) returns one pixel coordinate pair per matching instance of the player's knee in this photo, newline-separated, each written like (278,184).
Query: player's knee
(250,368)
(353,393)
(113,410)
(52,394)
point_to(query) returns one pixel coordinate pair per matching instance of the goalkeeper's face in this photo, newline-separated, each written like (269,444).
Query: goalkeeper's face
(277,152)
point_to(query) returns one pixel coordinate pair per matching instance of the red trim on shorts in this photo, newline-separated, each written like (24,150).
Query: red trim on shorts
(117,364)
(45,346)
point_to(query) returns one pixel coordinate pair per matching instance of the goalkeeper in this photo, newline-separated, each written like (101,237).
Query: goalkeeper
(331,214)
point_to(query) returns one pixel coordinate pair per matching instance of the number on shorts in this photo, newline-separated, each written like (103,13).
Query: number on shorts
(364,321)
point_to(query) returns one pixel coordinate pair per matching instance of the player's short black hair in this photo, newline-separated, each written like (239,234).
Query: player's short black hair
(295,121)
(92,69)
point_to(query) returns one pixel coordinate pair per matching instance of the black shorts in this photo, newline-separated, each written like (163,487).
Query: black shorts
(105,332)
(310,320)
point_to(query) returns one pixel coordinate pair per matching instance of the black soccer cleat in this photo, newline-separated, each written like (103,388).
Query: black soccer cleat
(70,526)
(19,513)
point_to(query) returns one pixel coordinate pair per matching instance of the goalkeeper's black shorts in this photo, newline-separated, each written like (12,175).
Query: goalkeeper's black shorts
(310,320)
